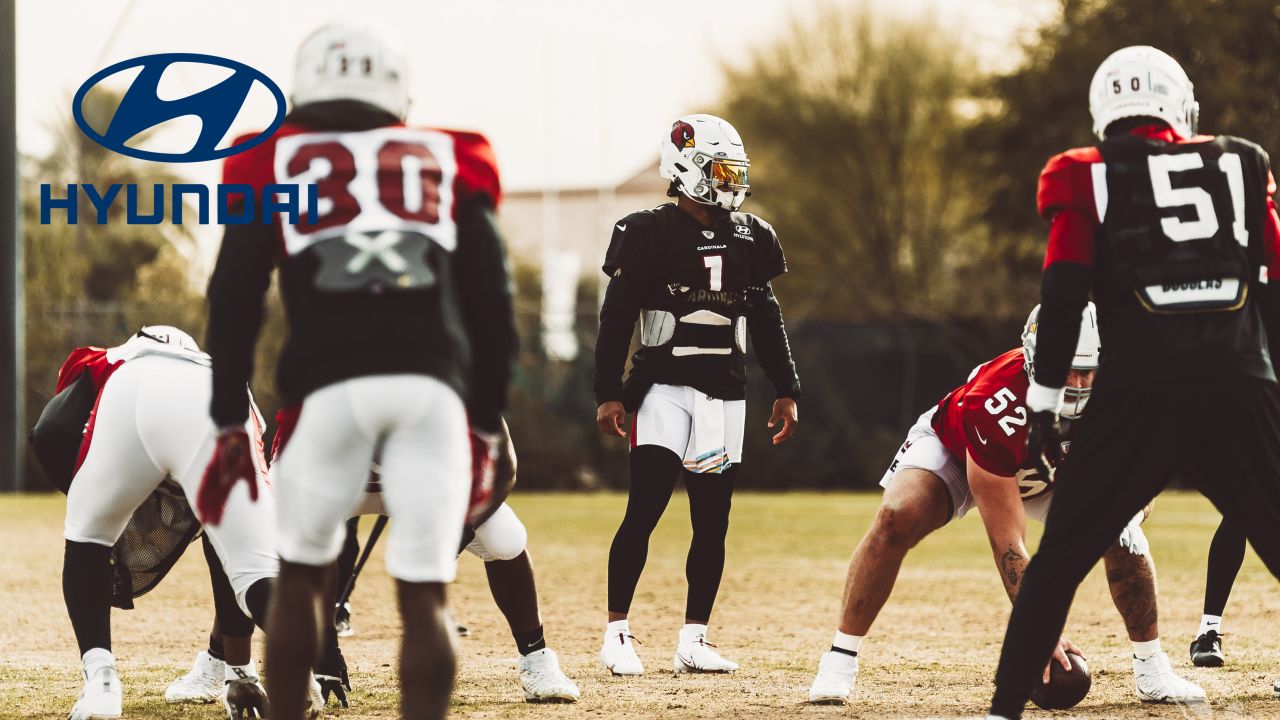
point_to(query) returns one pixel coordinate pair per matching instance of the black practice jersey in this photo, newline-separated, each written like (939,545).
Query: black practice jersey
(1173,237)
(697,290)
(379,281)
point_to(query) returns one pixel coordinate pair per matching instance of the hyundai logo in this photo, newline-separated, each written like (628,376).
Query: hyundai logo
(142,108)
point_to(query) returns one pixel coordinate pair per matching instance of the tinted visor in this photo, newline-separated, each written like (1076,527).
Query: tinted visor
(729,174)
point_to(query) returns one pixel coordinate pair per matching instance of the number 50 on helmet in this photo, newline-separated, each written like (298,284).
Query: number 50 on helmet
(705,160)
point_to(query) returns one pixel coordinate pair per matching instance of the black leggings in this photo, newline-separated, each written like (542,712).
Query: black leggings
(231,619)
(1226,555)
(654,472)
(1225,433)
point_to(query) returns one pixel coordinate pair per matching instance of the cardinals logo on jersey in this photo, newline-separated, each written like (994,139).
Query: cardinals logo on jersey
(682,135)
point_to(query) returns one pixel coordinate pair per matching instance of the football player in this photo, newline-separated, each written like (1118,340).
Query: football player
(400,331)
(697,274)
(496,536)
(1174,234)
(146,439)
(969,451)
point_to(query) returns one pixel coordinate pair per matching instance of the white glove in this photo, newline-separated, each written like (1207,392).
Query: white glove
(1133,539)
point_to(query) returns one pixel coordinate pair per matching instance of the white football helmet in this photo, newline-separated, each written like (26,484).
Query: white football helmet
(168,335)
(1141,80)
(351,60)
(1088,348)
(704,156)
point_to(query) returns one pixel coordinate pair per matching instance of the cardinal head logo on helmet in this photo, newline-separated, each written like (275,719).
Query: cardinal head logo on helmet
(682,135)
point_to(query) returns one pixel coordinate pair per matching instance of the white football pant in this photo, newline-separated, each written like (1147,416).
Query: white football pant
(153,422)
(417,425)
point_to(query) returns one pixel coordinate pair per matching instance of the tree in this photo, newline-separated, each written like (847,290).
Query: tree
(91,283)
(854,125)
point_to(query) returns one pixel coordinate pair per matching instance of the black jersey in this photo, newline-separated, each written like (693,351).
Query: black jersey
(1173,237)
(697,290)
(378,282)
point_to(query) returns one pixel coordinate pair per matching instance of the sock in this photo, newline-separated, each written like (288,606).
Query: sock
(691,632)
(617,626)
(95,659)
(847,644)
(215,649)
(240,672)
(1144,650)
(530,641)
(1210,622)
(87,581)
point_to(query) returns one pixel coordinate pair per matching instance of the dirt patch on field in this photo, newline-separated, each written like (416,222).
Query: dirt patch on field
(932,653)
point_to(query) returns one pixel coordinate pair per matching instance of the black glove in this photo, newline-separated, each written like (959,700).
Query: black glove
(331,674)
(1044,442)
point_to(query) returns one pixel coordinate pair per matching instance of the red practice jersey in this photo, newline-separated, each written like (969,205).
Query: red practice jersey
(986,418)
(93,362)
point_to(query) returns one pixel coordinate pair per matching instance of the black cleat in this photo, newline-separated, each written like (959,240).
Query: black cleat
(342,620)
(462,630)
(1206,650)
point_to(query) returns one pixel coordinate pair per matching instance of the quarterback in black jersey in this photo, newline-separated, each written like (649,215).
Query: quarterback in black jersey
(1176,235)
(697,275)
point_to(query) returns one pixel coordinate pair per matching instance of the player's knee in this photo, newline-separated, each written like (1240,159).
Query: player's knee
(899,527)
(502,537)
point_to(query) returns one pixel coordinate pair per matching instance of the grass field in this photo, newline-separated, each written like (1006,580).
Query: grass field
(932,653)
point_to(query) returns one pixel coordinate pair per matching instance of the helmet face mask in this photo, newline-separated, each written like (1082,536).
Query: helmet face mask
(1141,81)
(705,160)
(1088,351)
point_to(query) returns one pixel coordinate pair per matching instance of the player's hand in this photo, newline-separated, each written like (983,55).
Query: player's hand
(333,686)
(231,463)
(610,417)
(1044,442)
(785,412)
(1060,656)
(484,461)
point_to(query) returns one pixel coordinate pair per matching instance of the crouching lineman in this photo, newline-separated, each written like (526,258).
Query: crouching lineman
(969,451)
(400,329)
(147,440)
(700,273)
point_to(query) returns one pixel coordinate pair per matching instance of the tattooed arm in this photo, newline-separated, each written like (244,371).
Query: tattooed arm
(1005,518)
(1006,523)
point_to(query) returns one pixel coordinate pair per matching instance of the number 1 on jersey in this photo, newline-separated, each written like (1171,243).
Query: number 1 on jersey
(714,265)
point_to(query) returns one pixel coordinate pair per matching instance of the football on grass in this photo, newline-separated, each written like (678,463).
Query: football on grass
(1066,688)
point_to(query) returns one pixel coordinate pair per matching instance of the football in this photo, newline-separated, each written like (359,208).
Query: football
(1066,688)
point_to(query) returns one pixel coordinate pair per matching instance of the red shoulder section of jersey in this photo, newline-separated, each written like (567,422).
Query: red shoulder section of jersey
(477,167)
(1067,182)
(286,421)
(92,360)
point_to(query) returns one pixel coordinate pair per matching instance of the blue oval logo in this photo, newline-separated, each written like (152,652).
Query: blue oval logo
(141,108)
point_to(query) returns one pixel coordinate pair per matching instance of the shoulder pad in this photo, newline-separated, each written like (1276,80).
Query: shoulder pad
(1067,182)
(477,166)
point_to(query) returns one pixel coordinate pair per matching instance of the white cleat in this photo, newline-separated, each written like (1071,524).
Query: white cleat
(542,679)
(101,698)
(618,654)
(316,698)
(698,656)
(1156,682)
(202,683)
(833,684)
